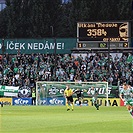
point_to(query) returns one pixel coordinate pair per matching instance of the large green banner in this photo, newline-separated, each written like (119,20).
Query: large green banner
(43,46)
(56,89)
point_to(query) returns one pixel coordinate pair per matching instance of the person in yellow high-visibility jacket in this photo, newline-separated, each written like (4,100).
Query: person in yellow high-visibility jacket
(69,99)
(33,97)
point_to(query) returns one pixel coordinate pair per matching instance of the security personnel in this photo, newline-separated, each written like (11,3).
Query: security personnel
(33,97)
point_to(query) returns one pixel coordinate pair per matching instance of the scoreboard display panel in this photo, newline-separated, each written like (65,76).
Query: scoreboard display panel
(103,45)
(98,34)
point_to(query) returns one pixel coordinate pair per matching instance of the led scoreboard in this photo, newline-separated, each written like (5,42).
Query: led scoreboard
(102,34)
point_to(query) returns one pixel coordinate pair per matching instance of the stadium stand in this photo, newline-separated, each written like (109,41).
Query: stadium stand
(24,69)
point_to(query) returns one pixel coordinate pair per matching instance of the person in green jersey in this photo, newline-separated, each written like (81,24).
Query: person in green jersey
(126,95)
(94,93)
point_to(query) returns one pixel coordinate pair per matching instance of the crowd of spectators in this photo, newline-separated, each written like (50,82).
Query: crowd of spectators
(21,69)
